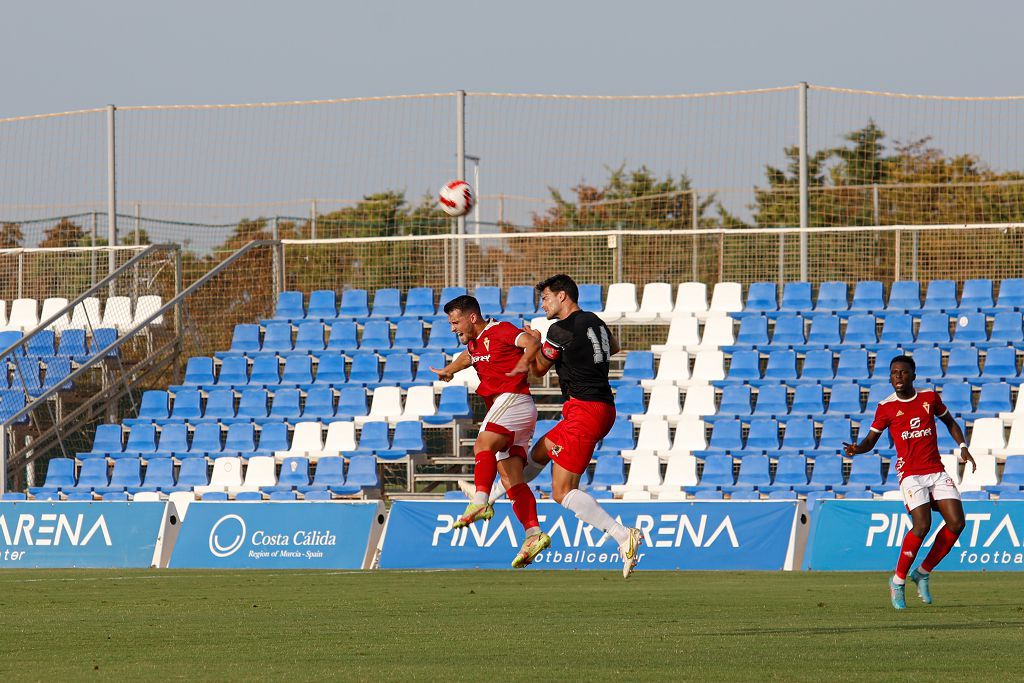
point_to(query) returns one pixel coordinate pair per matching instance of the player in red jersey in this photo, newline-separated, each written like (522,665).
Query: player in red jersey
(910,416)
(579,346)
(501,353)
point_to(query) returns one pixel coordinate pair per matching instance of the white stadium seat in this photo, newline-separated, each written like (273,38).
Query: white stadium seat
(227,474)
(683,331)
(655,304)
(700,401)
(52,307)
(718,331)
(146,306)
(385,405)
(681,471)
(24,315)
(691,299)
(663,406)
(673,368)
(726,298)
(987,436)
(419,402)
(307,438)
(259,473)
(984,476)
(86,315)
(117,313)
(707,366)
(644,472)
(621,301)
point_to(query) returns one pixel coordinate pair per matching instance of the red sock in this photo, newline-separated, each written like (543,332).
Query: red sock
(524,505)
(944,541)
(908,551)
(485,471)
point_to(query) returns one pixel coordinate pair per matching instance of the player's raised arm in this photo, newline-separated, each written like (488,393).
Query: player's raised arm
(460,362)
(531,347)
(864,446)
(958,435)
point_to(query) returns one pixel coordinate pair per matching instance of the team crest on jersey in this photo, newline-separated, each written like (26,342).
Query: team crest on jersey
(556,450)
(926,406)
(487,345)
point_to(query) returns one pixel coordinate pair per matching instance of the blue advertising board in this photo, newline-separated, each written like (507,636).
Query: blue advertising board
(100,534)
(677,535)
(866,535)
(279,535)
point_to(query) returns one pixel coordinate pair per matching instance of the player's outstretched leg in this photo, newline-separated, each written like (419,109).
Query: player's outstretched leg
(535,542)
(897,594)
(479,508)
(920,579)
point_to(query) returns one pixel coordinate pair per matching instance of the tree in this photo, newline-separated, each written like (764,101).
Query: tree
(63,234)
(10,236)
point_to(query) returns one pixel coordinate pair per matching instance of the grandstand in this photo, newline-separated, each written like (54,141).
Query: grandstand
(746,395)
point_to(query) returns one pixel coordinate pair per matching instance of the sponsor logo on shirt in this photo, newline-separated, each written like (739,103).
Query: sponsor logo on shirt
(482,359)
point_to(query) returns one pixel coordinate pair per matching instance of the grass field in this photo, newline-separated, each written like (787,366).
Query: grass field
(581,626)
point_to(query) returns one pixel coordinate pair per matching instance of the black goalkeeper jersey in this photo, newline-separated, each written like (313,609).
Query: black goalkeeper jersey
(580,347)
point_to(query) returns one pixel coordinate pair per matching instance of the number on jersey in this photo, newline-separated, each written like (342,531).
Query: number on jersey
(602,347)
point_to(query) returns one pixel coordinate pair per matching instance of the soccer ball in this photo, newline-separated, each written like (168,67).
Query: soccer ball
(456,198)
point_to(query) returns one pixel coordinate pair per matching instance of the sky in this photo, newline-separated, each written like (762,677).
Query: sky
(72,55)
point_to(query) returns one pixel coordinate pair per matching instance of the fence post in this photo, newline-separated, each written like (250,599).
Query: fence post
(138,223)
(898,255)
(178,276)
(782,259)
(875,207)
(460,173)
(111,191)
(914,253)
(93,244)
(802,94)
(312,219)
(695,224)
(21,277)
(276,258)
(3,458)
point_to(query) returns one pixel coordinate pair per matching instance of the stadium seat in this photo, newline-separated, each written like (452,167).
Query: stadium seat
(1006,331)
(198,373)
(173,438)
(342,338)
(27,375)
(984,477)
(970,328)
(824,333)
(708,367)
(365,370)
(827,473)
(106,442)
(362,473)
(419,303)
(663,405)
(1011,294)
(691,300)
(441,338)
(289,306)
(799,437)
(718,333)
(452,405)
(700,401)
(489,298)
(963,363)
(818,367)
(683,334)
(298,372)
(867,298)
(277,338)
(718,472)
(933,331)
(126,475)
(745,366)
(781,367)
(789,331)
(86,314)
(644,474)
(92,475)
(726,299)
(51,307)
(71,345)
(259,473)
(387,303)
(24,315)
(904,297)
(957,397)
(754,473)
(976,297)
(655,304)
(354,305)
(772,401)
(117,313)
(227,475)
(409,336)
(762,297)
(844,400)
(681,472)
(808,401)
(206,442)
(245,339)
(330,371)
(1013,475)
(1000,366)
(609,471)
(832,297)
(753,332)
(619,438)
(240,441)
(309,339)
(987,436)
(791,471)
(853,366)
(737,401)
(397,370)
(591,298)
(726,435)
(60,474)
(620,302)
(940,296)
(763,437)
(386,404)
(865,472)
(653,437)
(796,297)
(42,343)
(673,368)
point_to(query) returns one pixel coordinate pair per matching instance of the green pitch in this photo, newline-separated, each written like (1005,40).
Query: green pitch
(578,626)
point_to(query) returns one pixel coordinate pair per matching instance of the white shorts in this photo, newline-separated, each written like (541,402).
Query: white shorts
(514,415)
(922,489)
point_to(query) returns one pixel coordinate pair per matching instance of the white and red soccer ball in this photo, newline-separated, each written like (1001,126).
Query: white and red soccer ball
(456,198)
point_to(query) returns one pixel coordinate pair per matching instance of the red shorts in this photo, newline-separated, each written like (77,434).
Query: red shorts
(574,438)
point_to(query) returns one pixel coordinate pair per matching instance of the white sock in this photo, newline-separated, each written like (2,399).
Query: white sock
(479,498)
(898,581)
(530,473)
(588,510)
(532,531)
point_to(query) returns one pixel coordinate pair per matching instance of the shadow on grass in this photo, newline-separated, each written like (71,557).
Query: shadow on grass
(979,626)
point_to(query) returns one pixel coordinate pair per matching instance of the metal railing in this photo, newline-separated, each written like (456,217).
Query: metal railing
(152,349)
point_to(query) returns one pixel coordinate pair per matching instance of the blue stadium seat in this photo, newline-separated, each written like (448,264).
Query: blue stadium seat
(639,365)
(193,472)
(365,369)
(791,471)
(1011,294)
(56,370)
(373,437)
(1006,331)
(319,495)
(42,343)
(427,360)
(362,472)
(542,482)
(975,495)
(60,474)
(141,442)
(71,345)
(323,305)
(808,401)
(447,294)
(298,371)
(817,367)
(976,296)
(266,372)
(252,406)
(409,336)
(865,472)
(619,438)
(354,305)
(609,471)
(1000,366)
(940,296)
(796,297)
(159,475)
(852,365)
(309,339)
(173,439)
(127,474)
(93,474)
(489,298)
(844,400)
(521,301)
(387,303)
(294,474)
(832,297)
(12,401)
(753,332)
(283,495)
(897,330)
(273,438)
(789,331)
(867,297)
(963,363)
(957,397)
(781,367)
(351,402)
(277,338)
(904,297)
(289,306)
(629,400)
(799,437)
(234,372)
(240,441)
(26,375)
(397,370)
(813,498)
(329,475)
(285,405)
(319,405)
(883,356)
(726,435)
(718,472)
(970,329)
(245,339)
(376,336)
(407,440)
(835,431)
(762,297)
(198,372)
(827,473)
(763,437)
(419,303)
(744,366)
(824,333)
(754,473)
(107,441)
(214,496)
(441,337)
(330,371)
(736,402)
(343,337)
(861,330)
(220,405)
(79,495)
(452,405)
(993,399)
(1013,476)
(772,401)
(8,338)
(708,494)
(933,331)
(205,442)
(152,408)
(591,298)
(859,495)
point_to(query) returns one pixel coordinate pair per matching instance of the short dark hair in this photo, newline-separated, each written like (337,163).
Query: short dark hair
(561,283)
(904,359)
(464,303)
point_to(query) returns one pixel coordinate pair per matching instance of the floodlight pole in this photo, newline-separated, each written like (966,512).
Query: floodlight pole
(460,174)
(802,93)
(111,191)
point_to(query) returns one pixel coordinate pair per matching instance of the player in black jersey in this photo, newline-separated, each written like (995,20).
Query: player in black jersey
(579,346)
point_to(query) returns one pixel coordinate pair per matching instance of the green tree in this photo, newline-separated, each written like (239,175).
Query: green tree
(11,236)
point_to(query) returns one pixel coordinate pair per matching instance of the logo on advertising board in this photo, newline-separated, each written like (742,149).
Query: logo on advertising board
(275,535)
(420,534)
(866,535)
(48,534)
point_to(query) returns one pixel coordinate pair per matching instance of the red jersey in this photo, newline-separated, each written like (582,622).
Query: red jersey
(494,352)
(911,424)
